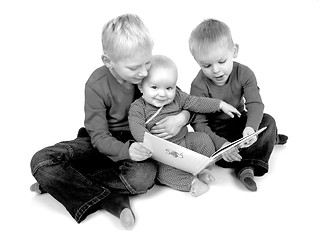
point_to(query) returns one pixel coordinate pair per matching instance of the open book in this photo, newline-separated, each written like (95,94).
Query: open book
(183,158)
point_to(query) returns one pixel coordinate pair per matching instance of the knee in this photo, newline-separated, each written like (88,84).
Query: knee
(142,175)
(36,161)
(45,157)
(268,121)
(200,142)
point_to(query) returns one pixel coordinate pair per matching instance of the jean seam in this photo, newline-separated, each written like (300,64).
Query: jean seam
(42,164)
(128,186)
(80,212)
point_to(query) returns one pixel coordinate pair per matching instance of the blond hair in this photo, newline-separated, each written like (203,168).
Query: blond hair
(123,35)
(208,34)
(161,61)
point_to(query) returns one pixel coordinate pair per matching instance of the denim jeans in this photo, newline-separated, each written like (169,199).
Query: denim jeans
(257,155)
(80,177)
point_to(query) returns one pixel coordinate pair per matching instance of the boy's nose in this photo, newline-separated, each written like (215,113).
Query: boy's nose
(143,72)
(215,69)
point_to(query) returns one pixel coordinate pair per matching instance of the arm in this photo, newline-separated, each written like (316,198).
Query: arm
(202,104)
(97,126)
(200,122)
(253,100)
(171,125)
(137,120)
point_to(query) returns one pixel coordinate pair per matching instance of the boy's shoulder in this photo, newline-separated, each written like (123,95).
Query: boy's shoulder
(100,75)
(239,67)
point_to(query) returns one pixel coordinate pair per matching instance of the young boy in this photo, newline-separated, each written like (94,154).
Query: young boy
(162,98)
(212,47)
(103,165)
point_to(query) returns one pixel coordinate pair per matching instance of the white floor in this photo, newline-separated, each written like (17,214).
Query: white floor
(49,50)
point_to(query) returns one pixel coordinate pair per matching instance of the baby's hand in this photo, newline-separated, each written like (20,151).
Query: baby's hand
(247,131)
(229,109)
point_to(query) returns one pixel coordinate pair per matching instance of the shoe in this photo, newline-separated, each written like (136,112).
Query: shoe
(83,133)
(281,139)
(250,184)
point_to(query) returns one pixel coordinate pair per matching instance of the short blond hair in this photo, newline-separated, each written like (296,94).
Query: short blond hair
(123,35)
(163,62)
(209,33)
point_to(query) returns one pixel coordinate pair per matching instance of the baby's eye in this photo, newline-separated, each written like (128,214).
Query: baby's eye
(169,88)
(154,87)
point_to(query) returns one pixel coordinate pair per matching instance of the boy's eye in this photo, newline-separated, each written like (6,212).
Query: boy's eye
(133,68)
(221,62)
(206,66)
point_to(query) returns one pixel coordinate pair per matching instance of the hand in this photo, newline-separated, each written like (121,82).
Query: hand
(229,109)
(137,152)
(247,131)
(170,126)
(232,154)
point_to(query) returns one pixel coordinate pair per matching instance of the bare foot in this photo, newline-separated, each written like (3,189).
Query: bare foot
(35,188)
(206,176)
(198,188)
(127,218)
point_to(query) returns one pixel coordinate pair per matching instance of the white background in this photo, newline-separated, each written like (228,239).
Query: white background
(49,49)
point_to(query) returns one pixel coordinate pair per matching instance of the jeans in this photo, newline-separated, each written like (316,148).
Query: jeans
(80,177)
(257,155)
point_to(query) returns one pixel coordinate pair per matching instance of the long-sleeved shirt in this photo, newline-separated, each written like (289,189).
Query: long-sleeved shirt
(241,91)
(107,103)
(140,111)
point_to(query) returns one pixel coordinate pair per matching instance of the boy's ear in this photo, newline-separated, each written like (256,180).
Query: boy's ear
(235,50)
(106,60)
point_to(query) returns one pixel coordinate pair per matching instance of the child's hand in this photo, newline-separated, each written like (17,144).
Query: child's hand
(137,152)
(229,109)
(247,131)
(167,127)
(232,154)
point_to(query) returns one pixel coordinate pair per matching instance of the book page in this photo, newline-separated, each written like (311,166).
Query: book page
(175,155)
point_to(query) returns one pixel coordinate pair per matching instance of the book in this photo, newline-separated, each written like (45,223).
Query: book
(183,158)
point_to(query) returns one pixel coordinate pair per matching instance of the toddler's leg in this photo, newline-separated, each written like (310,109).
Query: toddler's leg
(198,188)
(174,178)
(200,142)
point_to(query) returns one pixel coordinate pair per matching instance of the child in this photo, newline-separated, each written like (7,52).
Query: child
(212,47)
(162,98)
(103,165)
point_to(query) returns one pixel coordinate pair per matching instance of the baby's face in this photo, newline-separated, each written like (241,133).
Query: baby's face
(217,64)
(160,87)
